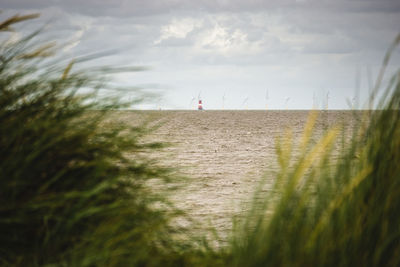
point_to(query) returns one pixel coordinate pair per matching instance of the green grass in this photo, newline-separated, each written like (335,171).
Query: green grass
(69,195)
(323,213)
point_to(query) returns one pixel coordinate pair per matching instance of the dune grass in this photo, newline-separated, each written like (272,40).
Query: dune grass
(321,212)
(69,195)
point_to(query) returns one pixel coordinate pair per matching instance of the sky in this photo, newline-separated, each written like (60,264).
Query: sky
(254,54)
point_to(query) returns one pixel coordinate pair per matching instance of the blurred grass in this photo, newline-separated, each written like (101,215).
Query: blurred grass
(331,212)
(69,195)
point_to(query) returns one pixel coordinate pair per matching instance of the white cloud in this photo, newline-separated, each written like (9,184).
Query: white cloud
(179,28)
(224,40)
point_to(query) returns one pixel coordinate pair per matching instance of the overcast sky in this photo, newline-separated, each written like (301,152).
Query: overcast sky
(237,54)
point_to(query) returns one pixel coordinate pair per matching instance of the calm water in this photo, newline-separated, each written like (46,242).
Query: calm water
(224,154)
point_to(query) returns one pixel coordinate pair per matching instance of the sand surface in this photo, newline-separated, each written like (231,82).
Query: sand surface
(224,155)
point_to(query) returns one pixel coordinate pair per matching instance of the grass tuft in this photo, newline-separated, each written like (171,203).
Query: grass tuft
(69,194)
(329,210)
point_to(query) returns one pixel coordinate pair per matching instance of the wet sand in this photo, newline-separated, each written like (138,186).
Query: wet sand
(225,154)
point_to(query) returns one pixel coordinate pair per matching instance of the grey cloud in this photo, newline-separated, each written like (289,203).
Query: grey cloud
(283,44)
(330,46)
(358,6)
(128,8)
(278,31)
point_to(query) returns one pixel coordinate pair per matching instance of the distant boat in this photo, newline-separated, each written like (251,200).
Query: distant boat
(200,107)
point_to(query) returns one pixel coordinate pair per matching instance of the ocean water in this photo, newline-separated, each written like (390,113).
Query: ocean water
(225,154)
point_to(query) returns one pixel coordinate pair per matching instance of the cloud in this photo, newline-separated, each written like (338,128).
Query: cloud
(119,8)
(282,43)
(178,28)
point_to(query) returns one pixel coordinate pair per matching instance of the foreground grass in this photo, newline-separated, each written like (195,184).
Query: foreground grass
(70,197)
(68,194)
(324,214)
